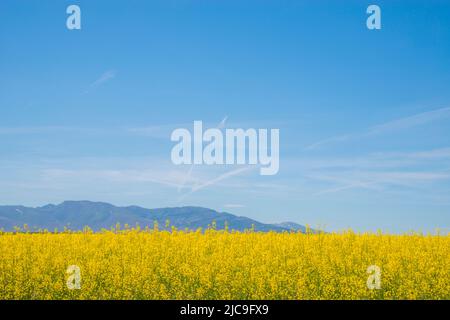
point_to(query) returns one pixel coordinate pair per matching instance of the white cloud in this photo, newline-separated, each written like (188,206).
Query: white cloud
(216,180)
(41,130)
(220,178)
(104,77)
(399,124)
(412,121)
(233,206)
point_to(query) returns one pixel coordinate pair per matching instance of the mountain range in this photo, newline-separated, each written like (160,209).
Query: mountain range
(76,215)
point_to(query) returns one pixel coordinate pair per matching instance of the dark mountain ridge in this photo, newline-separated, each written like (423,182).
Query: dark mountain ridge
(76,215)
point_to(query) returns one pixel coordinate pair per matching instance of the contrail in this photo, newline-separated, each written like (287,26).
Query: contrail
(221,125)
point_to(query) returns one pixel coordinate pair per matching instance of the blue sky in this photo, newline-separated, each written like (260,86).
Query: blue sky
(364,116)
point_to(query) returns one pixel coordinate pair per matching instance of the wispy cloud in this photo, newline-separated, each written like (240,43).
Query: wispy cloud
(108,75)
(185,178)
(220,178)
(162,174)
(411,121)
(378,171)
(221,125)
(374,161)
(233,206)
(121,176)
(162,131)
(334,139)
(378,180)
(399,124)
(43,130)
(29,130)
(365,185)
(433,154)
(104,77)
(216,180)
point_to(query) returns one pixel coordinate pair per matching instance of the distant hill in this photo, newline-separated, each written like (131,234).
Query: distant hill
(97,215)
(291,226)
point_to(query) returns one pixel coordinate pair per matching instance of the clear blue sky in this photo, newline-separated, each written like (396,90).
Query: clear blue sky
(364,116)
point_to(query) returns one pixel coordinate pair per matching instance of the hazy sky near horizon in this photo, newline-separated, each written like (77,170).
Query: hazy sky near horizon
(364,115)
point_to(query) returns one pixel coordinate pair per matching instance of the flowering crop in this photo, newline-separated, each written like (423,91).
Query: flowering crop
(152,264)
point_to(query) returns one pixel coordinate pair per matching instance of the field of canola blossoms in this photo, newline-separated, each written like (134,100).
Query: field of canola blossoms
(151,264)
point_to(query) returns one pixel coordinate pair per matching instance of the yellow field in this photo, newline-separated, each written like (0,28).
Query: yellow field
(223,265)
